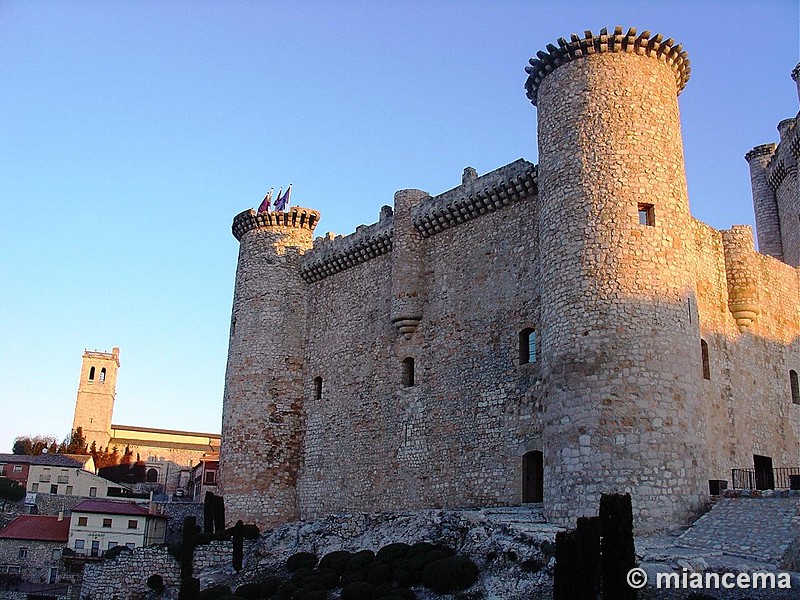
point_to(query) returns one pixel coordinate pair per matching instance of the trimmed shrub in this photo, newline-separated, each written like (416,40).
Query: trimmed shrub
(269,585)
(450,574)
(359,575)
(359,560)
(391,553)
(307,594)
(251,532)
(420,548)
(336,561)
(328,577)
(408,571)
(404,593)
(300,560)
(215,593)
(190,589)
(384,589)
(304,575)
(251,590)
(286,591)
(358,590)
(378,572)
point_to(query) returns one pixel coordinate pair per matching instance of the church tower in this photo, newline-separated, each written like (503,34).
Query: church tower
(96,391)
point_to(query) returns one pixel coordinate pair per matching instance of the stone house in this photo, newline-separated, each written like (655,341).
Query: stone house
(204,477)
(31,547)
(96,526)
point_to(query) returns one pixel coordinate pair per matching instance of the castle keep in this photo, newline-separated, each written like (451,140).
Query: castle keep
(542,332)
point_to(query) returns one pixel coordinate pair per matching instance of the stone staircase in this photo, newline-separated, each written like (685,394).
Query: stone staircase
(762,529)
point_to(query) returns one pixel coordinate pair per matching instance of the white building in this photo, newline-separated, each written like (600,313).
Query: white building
(99,525)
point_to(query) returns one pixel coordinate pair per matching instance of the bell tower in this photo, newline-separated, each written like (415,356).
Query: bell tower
(94,405)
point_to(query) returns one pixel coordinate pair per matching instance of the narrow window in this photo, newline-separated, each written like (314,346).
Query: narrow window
(133,524)
(91,374)
(69,490)
(103,375)
(706,363)
(408,372)
(318,388)
(23,552)
(793,383)
(92,492)
(647,215)
(54,488)
(106,522)
(527,346)
(35,487)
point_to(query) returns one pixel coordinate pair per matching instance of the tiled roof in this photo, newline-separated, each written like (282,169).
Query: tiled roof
(122,442)
(56,460)
(213,436)
(37,527)
(110,507)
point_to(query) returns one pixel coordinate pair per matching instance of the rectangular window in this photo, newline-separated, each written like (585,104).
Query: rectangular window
(111,545)
(53,488)
(92,492)
(647,215)
(56,554)
(106,522)
(23,552)
(133,524)
(69,490)
(130,545)
(211,476)
(13,570)
(34,487)
(80,544)
(95,547)
(82,521)
(17,468)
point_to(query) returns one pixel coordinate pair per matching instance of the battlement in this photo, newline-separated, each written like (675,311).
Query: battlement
(297,217)
(762,150)
(784,159)
(477,196)
(334,254)
(642,44)
(113,355)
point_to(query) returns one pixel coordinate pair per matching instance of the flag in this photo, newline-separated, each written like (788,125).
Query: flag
(266,202)
(282,203)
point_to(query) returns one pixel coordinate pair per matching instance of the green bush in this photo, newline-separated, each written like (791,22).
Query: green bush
(251,590)
(215,592)
(286,591)
(408,571)
(305,576)
(450,574)
(300,560)
(359,560)
(328,577)
(269,585)
(420,548)
(378,572)
(391,553)
(358,590)
(358,575)
(336,561)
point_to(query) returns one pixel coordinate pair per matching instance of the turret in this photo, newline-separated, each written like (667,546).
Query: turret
(94,405)
(620,341)
(262,415)
(765,205)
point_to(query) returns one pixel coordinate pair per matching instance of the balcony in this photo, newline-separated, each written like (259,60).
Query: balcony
(779,478)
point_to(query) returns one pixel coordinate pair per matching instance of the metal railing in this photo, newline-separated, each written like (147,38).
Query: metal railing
(764,479)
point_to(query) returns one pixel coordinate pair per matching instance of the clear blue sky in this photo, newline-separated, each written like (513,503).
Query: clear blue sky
(133,132)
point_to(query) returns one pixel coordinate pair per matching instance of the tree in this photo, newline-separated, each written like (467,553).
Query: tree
(10,491)
(74,443)
(33,444)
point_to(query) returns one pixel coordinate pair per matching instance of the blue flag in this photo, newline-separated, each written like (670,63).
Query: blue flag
(282,203)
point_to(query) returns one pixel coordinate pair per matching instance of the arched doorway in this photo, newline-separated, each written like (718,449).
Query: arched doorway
(152,476)
(532,476)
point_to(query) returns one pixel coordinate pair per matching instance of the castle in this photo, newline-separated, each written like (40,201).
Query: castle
(168,454)
(542,332)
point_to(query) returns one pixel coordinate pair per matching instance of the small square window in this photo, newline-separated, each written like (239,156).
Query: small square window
(133,524)
(647,214)
(106,522)
(82,521)
(23,553)
(17,468)
(211,476)
(80,544)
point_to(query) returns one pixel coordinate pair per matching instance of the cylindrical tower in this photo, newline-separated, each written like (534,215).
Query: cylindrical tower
(765,205)
(262,413)
(619,333)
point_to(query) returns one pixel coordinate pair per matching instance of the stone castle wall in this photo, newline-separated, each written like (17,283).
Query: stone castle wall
(615,399)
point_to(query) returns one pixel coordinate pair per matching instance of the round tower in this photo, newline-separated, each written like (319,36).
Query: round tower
(262,414)
(619,334)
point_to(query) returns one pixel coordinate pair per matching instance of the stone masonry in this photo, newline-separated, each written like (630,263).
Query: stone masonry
(541,332)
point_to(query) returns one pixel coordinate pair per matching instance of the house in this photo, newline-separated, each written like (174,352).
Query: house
(96,526)
(31,546)
(70,481)
(17,466)
(204,477)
